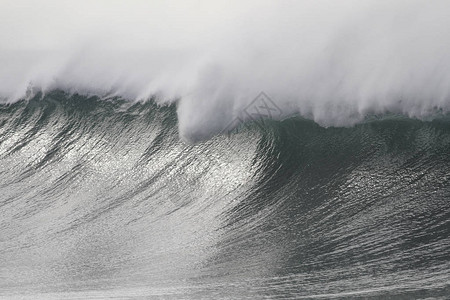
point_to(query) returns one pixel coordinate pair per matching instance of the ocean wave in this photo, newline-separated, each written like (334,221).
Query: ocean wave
(268,209)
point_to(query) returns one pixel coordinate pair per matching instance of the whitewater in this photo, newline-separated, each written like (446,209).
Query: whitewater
(333,62)
(224,150)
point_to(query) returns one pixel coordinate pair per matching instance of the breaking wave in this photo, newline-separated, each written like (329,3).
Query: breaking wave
(334,63)
(100,198)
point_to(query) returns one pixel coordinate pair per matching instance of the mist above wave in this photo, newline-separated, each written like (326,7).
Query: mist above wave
(333,62)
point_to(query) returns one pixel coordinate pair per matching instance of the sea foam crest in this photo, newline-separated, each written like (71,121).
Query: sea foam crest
(331,61)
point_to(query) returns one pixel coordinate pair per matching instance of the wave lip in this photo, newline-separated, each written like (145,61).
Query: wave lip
(333,66)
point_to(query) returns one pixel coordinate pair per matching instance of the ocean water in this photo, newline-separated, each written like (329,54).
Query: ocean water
(101,199)
(225,149)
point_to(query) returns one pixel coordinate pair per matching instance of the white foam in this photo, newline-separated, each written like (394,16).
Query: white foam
(332,61)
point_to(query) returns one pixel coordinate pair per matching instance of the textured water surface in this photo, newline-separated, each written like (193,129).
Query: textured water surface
(101,199)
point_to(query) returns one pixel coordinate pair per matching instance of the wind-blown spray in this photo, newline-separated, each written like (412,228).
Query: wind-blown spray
(333,62)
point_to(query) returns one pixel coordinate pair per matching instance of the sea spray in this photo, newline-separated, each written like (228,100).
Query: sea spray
(333,62)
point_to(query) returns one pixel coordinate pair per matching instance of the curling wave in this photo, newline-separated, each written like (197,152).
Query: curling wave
(100,198)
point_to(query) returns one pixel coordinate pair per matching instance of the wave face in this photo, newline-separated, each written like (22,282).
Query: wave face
(100,199)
